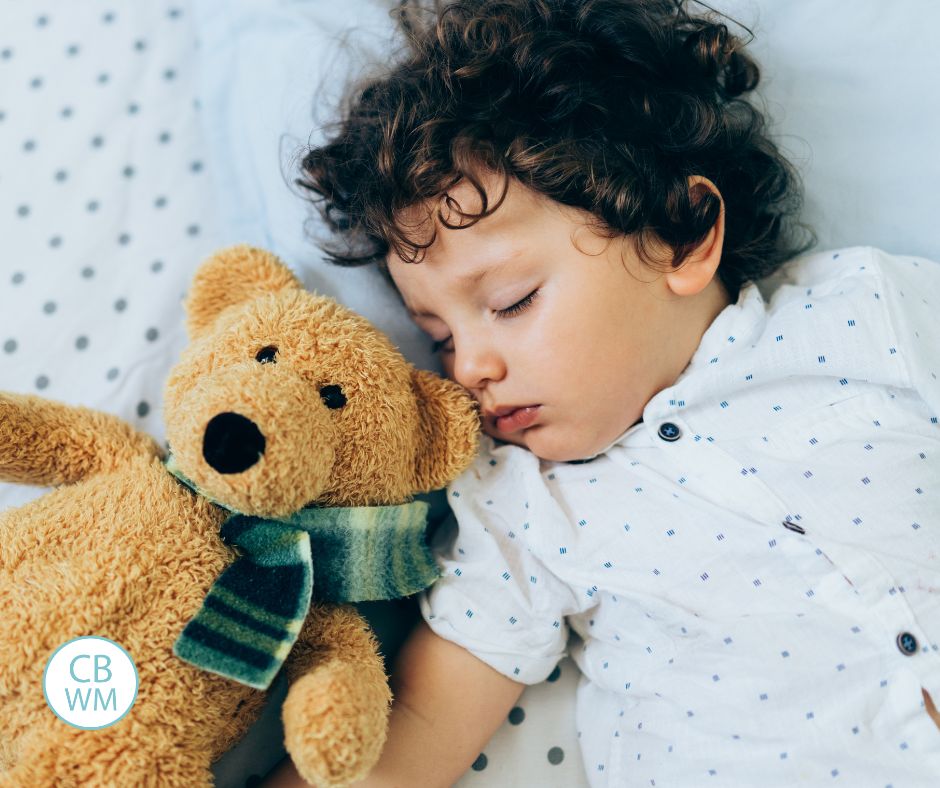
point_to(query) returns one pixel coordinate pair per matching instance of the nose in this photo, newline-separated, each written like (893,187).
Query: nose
(232,443)
(477,362)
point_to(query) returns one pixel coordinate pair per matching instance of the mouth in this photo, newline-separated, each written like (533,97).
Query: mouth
(513,418)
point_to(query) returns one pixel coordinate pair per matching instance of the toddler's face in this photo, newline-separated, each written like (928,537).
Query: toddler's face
(561,335)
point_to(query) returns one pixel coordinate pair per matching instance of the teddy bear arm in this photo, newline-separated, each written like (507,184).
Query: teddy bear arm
(48,443)
(333,632)
(336,711)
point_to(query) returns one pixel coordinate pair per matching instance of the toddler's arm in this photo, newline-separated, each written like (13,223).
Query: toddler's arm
(447,706)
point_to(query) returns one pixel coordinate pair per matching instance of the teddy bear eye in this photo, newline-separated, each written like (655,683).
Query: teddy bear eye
(267,355)
(333,396)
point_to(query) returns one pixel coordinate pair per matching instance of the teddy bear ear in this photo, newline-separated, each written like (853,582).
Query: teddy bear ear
(232,276)
(449,427)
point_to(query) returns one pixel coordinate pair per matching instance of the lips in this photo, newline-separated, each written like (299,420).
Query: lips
(512,418)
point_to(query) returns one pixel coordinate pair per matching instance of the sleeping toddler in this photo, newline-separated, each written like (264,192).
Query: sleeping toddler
(711,462)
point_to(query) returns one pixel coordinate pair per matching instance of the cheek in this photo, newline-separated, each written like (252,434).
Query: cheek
(588,343)
(564,337)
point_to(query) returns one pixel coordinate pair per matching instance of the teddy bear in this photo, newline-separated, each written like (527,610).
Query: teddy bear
(284,404)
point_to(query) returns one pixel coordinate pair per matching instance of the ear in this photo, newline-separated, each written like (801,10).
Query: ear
(233,276)
(699,268)
(449,430)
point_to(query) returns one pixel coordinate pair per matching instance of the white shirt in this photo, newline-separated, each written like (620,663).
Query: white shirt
(719,646)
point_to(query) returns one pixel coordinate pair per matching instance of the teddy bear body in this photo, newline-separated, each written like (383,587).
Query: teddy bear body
(284,400)
(129,593)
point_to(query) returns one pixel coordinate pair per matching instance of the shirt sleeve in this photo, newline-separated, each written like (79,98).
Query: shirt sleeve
(495,598)
(912,286)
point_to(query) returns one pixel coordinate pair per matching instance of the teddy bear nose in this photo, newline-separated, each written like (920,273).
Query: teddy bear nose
(232,443)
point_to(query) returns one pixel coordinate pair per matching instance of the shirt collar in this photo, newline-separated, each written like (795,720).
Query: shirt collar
(739,322)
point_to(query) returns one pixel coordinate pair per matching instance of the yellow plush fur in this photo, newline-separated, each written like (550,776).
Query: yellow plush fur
(122,550)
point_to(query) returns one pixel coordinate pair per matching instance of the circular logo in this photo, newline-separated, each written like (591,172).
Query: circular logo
(90,682)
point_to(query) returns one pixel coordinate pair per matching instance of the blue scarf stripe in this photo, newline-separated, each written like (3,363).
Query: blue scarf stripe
(258,614)
(228,627)
(212,602)
(276,589)
(233,528)
(268,542)
(199,639)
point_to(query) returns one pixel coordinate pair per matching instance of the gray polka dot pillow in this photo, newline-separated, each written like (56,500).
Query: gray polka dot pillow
(103,194)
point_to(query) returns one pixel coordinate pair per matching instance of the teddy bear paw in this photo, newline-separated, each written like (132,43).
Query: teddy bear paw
(335,722)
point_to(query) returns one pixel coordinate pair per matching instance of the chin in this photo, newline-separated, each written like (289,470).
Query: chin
(544,445)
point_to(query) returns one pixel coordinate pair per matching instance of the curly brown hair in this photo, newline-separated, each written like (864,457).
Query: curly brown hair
(604,105)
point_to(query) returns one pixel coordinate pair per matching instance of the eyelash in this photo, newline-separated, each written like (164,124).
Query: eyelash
(509,311)
(519,306)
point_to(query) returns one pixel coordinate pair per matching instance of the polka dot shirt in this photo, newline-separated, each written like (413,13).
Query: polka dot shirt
(748,579)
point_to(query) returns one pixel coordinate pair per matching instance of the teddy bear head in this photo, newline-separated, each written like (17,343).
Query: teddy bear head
(284,398)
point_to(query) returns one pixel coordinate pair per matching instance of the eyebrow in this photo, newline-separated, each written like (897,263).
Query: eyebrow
(475,277)
(414,313)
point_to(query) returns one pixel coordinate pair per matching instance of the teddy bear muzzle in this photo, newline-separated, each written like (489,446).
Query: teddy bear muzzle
(232,443)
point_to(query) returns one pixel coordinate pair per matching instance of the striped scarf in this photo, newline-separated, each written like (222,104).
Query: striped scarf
(253,613)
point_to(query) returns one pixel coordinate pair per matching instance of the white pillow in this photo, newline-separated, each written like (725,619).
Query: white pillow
(272,77)
(853,90)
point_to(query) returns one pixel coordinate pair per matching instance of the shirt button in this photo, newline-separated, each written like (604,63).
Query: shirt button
(794,527)
(907,644)
(669,431)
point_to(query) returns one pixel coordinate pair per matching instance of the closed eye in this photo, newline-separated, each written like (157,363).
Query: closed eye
(519,306)
(441,345)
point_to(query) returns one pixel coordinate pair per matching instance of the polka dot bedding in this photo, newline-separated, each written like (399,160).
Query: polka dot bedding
(537,743)
(108,202)
(102,202)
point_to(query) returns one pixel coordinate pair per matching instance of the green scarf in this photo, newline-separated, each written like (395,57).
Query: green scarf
(253,613)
